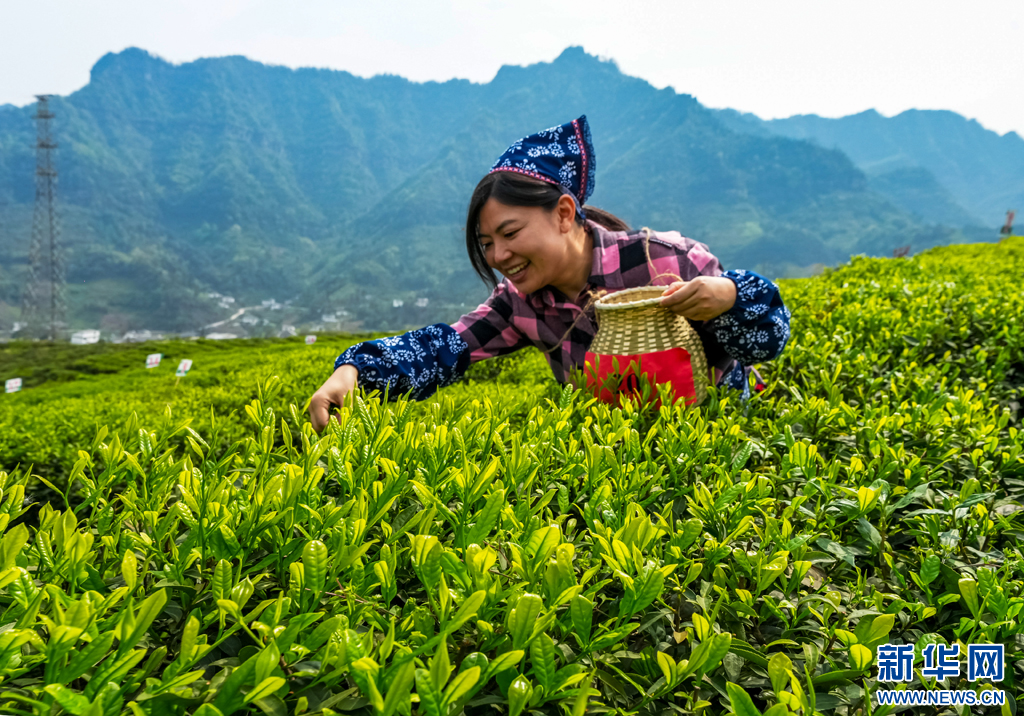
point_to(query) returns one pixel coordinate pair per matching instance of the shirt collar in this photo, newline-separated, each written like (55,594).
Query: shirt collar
(601,274)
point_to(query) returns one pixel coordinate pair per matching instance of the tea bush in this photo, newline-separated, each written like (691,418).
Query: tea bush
(517,547)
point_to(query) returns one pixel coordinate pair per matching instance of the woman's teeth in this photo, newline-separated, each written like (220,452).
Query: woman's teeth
(517,269)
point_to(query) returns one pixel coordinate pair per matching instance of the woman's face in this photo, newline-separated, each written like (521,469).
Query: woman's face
(528,244)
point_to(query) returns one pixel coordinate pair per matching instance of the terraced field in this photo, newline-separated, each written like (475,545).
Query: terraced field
(192,546)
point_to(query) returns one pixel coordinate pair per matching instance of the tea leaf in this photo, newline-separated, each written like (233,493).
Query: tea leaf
(430,698)
(739,699)
(519,694)
(542,657)
(264,688)
(860,657)
(461,685)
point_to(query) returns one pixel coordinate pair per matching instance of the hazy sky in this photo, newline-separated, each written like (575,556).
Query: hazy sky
(775,58)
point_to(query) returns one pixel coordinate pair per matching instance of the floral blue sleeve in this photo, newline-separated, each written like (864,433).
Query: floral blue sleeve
(756,328)
(418,362)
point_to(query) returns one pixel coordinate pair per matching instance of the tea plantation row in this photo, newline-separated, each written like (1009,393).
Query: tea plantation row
(510,547)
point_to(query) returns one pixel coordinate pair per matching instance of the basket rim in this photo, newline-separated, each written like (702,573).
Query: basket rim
(639,303)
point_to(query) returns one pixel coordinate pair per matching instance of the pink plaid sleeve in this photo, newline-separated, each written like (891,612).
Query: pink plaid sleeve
(658,259)
(489,331)
(683,257)
(703,260)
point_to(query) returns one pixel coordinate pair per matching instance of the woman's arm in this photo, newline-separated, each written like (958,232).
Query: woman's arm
(756,328)
(421,361)
(418,362)
(740,312)
(489,330)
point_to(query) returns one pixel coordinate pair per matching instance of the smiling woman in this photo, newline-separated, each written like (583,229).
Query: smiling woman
(505,206)
(528,220)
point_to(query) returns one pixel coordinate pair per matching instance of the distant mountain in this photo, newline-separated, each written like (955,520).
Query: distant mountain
(349,194)
(981,171)
(915,189)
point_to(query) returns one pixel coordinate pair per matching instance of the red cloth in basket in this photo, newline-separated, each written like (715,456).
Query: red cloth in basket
(669,366)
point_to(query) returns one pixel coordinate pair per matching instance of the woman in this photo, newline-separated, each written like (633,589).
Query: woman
(527,219)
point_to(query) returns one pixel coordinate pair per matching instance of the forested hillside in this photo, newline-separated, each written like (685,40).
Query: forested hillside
(937,164)
(347,194)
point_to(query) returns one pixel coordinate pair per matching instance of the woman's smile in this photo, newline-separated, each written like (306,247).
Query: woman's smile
(515,271)
(534,247)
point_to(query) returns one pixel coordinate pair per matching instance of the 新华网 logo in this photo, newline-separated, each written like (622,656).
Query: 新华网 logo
(896,665)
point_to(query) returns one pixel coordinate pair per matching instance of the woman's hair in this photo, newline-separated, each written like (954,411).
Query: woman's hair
(514,189)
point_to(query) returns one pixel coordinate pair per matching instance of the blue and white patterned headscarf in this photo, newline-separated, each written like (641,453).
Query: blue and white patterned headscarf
(563,156)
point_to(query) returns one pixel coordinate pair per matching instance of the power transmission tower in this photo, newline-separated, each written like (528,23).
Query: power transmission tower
(44,304)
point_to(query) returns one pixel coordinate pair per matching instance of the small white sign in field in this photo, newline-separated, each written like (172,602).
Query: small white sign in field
(310,340)
(184,367)
(153,360)
(12,386)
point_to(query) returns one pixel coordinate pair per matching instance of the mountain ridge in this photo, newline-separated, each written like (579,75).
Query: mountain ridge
(979,167)
(348,193)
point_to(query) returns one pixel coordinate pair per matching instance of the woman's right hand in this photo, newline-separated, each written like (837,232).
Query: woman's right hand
(332,392)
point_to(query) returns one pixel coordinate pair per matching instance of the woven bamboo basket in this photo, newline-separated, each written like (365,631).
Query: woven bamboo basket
(632,322)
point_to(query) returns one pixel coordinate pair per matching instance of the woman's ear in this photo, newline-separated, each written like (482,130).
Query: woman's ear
(566,211)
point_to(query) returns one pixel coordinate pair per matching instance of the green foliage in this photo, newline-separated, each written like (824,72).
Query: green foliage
(518,545)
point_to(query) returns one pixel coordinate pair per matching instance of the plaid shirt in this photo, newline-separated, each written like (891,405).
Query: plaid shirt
(756,328)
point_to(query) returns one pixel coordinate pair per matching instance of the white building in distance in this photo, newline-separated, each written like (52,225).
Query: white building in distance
(140,336)
(83,338)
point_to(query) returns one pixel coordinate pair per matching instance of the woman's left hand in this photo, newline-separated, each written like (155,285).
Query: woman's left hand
(701,299)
